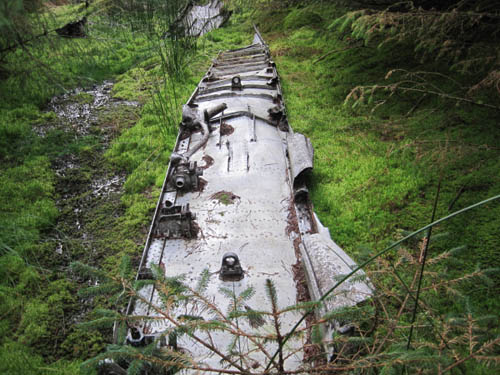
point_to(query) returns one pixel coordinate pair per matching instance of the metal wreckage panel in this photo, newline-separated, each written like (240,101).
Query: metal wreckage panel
(235,188)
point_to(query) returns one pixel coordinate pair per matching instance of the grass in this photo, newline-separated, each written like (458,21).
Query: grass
(375,173)
(376,170)
(33,227)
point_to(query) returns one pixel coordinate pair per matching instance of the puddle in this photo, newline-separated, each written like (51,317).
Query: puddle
(104,186)
(62,165)
(80,109)
(83,181)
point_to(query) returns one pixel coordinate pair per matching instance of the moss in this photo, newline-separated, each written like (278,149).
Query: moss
(298,18)
(16,358)
(224,197)
(375,171)
(83,344)
(113,121)
(132,85)
(43,319)
(83,98)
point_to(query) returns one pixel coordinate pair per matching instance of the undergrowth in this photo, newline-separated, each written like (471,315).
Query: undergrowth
(378,162)
(39,208)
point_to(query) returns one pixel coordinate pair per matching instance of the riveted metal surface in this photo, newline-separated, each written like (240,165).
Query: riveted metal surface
(247,206)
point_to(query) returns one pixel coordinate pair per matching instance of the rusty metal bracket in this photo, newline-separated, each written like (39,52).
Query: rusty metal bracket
(176,222)
(231,268)
(191,119)
(136,337)
(236,83)
(186,176)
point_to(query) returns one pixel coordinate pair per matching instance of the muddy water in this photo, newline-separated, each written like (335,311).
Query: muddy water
(81,109)
(84,181)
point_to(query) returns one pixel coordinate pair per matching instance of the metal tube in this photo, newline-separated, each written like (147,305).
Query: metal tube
(204,128)
(201,143)
(216,110)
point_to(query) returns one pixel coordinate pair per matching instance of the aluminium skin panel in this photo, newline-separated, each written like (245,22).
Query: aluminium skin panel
(235,188)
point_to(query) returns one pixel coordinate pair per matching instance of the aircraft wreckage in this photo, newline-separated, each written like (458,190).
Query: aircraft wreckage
(235,211)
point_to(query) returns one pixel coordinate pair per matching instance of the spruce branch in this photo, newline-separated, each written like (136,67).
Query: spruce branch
(176,323)
(273,300)
(378,255)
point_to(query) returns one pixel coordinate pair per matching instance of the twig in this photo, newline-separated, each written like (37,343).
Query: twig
(424,258)
(376,256)
(472,355)
(459,193)
(448,96)
(416,105)
(335,51)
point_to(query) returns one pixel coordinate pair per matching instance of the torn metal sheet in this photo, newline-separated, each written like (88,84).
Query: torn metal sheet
(301,154)
(234,203)
(200,19)
(324,259)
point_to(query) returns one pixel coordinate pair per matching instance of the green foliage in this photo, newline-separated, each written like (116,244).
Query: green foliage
(374,171)
(36,307)
(16,17)
(50,64)
(26,189)
(17,359)
(43,317)
(301,17)
(459,34)
(83,343)
(26,209)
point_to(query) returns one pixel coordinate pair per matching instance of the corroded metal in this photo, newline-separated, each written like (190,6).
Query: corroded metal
(200,19)
(252,219)
(300,153)
(231,269)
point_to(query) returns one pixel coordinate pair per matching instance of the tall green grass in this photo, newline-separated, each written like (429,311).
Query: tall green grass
(377,166)
(33,292)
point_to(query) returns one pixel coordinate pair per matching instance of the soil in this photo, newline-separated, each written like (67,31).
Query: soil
(85,181)
(292,221)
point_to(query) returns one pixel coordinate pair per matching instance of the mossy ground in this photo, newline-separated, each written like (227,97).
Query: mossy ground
(49,219)
(377,170)
(376,173)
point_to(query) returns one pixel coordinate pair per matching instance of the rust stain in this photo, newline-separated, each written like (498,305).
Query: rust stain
(201,184)
(226,129)
(209,161)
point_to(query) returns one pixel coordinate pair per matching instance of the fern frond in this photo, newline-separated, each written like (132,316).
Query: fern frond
(106,289)
(247,294)
(255,318)
(98,323)
(125,267)
(139,284)
(135,367)
(303,306)
(316,335)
